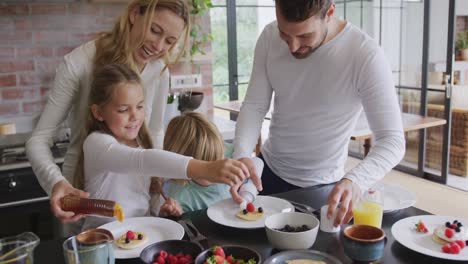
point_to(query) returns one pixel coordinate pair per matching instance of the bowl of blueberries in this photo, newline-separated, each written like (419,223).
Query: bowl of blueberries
(290,231)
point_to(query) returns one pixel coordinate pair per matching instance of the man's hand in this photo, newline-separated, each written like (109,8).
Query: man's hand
(60,190)
(253,176)
(227,171)
(171,207)
(345,194)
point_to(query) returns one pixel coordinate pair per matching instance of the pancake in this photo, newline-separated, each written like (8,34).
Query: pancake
(134,243)
(250,216)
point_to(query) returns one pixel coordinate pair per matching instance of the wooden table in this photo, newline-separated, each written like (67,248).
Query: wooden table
(362,131)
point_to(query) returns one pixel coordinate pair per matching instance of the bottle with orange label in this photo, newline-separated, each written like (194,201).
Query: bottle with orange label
(92,207)
(369,210)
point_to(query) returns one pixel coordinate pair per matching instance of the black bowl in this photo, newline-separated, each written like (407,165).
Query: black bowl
(172,247)
(190,101)
(238,252)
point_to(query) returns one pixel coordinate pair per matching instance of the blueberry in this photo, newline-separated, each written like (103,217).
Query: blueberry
(466,243)
(140,236)
(260,210)
(305,227)
(244,211)
(127,240)
(459,224)
(447,224)
(457,230)
(455,221)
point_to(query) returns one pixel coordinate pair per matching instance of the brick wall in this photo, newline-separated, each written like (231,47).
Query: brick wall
(34,36)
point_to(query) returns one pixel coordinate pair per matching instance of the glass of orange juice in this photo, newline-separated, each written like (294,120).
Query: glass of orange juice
(369,210)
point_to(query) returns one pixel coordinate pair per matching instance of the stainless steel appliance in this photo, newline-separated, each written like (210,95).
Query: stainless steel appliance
(24,206)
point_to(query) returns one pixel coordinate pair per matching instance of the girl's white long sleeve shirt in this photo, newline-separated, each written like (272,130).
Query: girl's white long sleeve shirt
(117,172)
(68,99)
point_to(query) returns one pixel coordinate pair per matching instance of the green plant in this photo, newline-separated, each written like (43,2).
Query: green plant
(199,38)
(462,40)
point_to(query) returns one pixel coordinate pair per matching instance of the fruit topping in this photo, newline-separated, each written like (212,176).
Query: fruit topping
(130,235)
(454,248)
(244,211)
(447,224)
(127,240)
(260,210)
(250,207)
(421,227)
(140,236)
(449,233)
(461,243)
(446,248)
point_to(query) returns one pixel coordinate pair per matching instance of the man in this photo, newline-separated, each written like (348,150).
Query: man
(323,72)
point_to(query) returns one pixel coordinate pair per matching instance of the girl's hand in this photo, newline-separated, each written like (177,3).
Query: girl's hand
(171,207)
(227,171)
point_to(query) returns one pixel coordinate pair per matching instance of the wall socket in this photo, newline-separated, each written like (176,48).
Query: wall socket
(186,81)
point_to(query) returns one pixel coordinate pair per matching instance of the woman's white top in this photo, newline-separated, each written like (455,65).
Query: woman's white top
(117,172)
(69,99)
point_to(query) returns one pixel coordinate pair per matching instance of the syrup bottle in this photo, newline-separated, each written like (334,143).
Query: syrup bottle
(248,191)
(92,207)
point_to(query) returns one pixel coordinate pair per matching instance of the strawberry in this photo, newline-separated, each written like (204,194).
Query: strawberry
(250,207)
(171,259)
(163,254)
(230,259)
(460,243)
(130,235)
(189,257)
(215,259)
(446,248)
(421,227)
(218,251)
(160,260)
(179,255)
(183,260)
(454,248)
(449,232)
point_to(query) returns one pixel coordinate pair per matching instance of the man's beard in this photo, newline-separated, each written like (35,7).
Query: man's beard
(310,50)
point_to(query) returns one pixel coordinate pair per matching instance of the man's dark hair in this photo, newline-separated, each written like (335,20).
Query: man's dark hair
(300,10)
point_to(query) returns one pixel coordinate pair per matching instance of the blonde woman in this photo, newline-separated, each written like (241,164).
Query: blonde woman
(191,134)
(143,38)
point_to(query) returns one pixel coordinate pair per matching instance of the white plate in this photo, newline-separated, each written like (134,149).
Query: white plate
(157,229)
(397,198)
(403,232)
(224,212)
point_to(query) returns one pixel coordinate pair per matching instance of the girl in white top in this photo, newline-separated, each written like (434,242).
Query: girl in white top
(118,159)
(143,38)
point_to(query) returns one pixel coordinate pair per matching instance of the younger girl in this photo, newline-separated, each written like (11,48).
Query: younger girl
(118,160)
(191,134)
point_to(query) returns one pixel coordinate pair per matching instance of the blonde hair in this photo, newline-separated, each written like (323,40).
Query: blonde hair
(115,46)
(191,134)
(105,81)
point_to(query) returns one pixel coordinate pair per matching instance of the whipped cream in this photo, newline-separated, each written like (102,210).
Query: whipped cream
(462,235)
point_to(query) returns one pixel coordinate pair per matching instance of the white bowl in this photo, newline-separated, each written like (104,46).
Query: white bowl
(291,240)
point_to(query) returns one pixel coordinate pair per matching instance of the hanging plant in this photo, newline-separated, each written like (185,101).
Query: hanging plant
(199,38)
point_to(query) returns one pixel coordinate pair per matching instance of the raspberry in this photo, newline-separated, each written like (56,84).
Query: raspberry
(250,207)
(163,254)
(130,235)
(449,232)
(460,243)
(453,226)
(446,248)
(454,248)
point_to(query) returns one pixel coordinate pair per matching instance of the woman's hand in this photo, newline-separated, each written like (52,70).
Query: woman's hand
(171,207)
(60,190)
(227,171)
(253,176)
